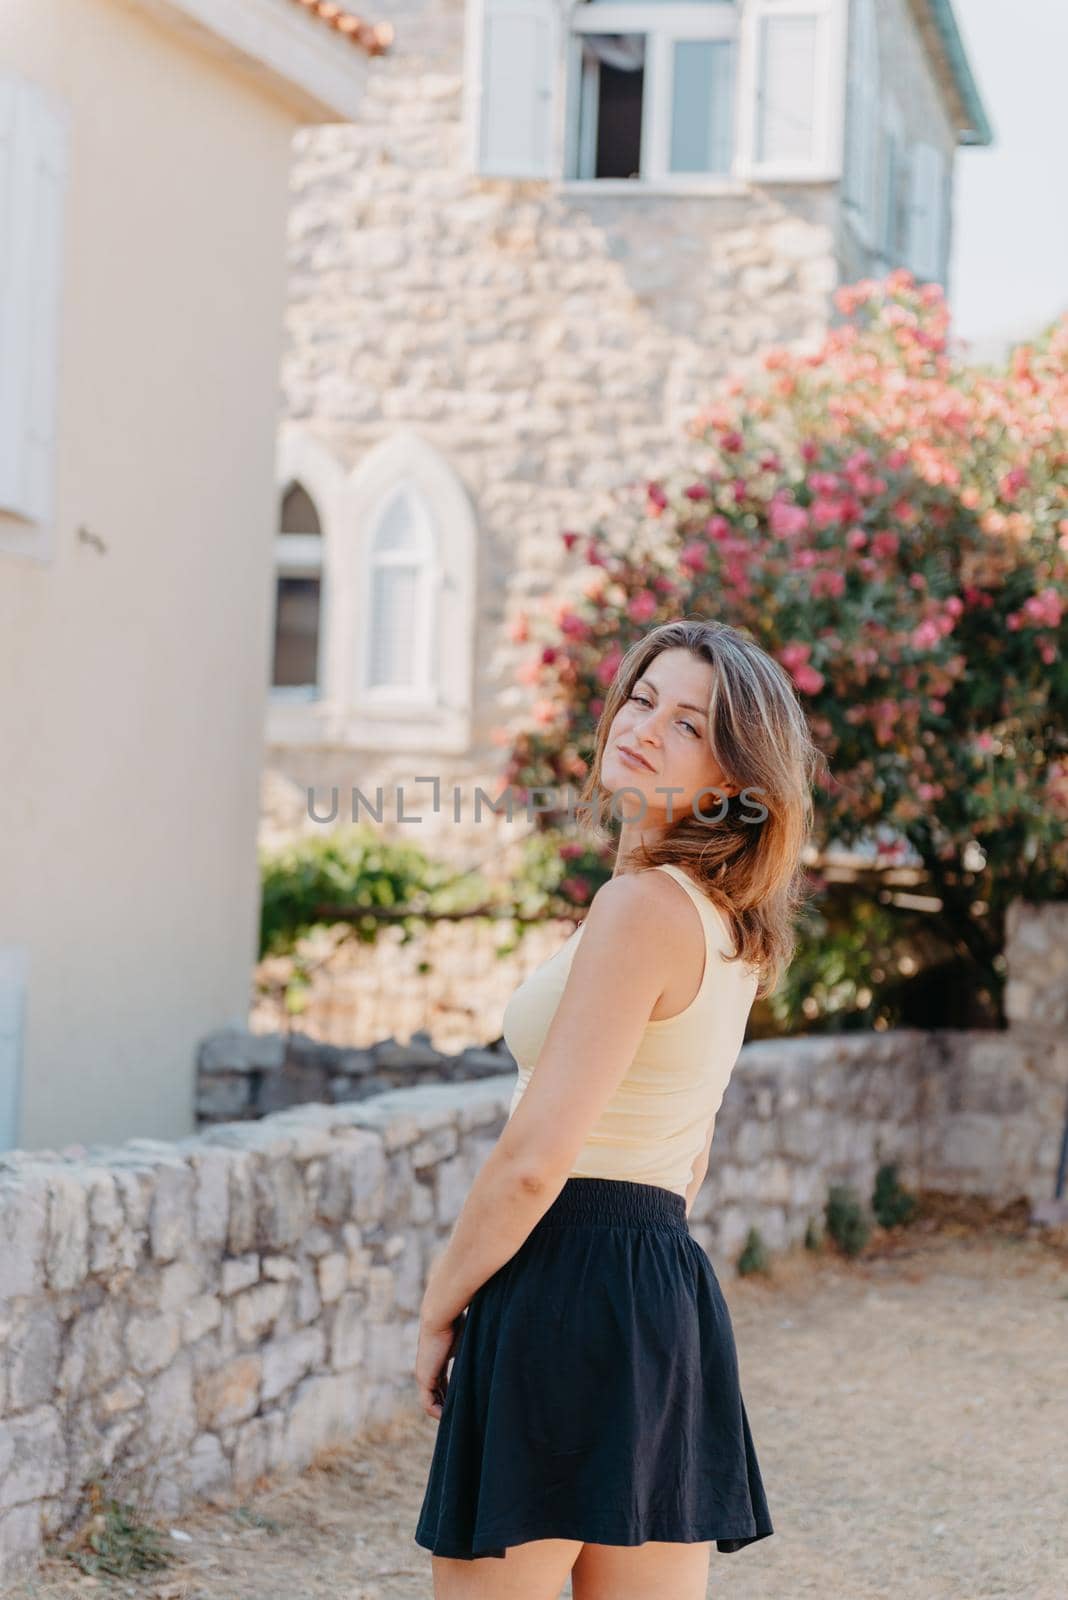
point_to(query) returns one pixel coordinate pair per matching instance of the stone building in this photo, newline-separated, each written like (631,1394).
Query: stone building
(547,232)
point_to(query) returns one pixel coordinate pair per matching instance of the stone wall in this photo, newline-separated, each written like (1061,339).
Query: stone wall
(243,1075)
(183,1317)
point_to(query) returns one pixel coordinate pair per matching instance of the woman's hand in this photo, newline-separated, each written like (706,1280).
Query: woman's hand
(436,1348)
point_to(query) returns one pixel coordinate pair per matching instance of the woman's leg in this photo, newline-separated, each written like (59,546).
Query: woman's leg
(536,1570)
(649,1571)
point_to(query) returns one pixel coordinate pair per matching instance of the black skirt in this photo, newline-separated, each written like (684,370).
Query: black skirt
(594,1391)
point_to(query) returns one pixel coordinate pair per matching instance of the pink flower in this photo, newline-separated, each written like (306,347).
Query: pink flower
(573,626)
(607,668)
(824,512)
(694,556)
(925,635)
(1045,608)
(569,538)
(808,680)
(786,519)
(795,654)
(642,606)
(732,442)
(697,491)
(1012,482)
(717,527)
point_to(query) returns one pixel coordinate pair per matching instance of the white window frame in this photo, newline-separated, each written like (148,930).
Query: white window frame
(346,502)
(422,692)
(34,159)
(663,26)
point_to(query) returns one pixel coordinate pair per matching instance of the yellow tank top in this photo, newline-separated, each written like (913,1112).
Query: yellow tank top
(655,1125)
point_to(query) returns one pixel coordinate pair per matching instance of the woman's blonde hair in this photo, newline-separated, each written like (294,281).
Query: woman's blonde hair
(757,731)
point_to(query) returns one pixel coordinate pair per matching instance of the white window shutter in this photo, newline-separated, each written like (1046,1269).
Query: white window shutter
(14,972)
(861,150)
(888,234)
(33,172)
(787,87)
(518,68)
(926,205)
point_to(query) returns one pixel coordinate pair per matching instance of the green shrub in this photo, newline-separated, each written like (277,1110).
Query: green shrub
(117,1542)
(845,1220)
(754,1256)
(891,1203)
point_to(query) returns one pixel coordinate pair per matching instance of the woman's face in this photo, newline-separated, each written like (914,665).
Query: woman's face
(664,724)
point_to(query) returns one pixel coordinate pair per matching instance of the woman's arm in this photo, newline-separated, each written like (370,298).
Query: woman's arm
(630,945)
(700,1170)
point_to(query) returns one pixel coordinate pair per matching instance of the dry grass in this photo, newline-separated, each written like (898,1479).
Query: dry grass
(910,1409)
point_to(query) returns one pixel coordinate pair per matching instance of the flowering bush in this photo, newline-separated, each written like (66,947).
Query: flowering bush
(892,525)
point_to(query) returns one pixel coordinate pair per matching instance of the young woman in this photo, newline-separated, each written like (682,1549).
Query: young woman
(593,1422)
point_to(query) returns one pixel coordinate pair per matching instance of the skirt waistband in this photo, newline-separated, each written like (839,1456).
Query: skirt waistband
(616,1200)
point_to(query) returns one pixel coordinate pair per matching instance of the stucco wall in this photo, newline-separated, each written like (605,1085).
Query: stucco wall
(132,677)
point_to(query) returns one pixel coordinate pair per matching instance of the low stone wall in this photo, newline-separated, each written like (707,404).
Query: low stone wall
(181,1317)
(242,1075)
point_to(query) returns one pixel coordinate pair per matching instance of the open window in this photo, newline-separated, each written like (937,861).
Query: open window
(655,100)
(671,93)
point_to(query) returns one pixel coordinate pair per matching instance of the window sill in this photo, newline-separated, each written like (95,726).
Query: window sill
(690,186)
(657,186)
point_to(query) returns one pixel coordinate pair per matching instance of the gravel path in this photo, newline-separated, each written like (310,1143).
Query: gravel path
(910,1410)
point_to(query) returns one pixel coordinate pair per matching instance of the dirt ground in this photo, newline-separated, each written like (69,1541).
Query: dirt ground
(910,1411)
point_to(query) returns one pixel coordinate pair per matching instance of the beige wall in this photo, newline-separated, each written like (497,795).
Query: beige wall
(132,678)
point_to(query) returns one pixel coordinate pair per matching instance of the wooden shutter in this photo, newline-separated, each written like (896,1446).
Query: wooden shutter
(33,169)
(517,70)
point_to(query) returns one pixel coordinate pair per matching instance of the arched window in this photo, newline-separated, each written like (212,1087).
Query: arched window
(402,580)
(298,595)
(405,584)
